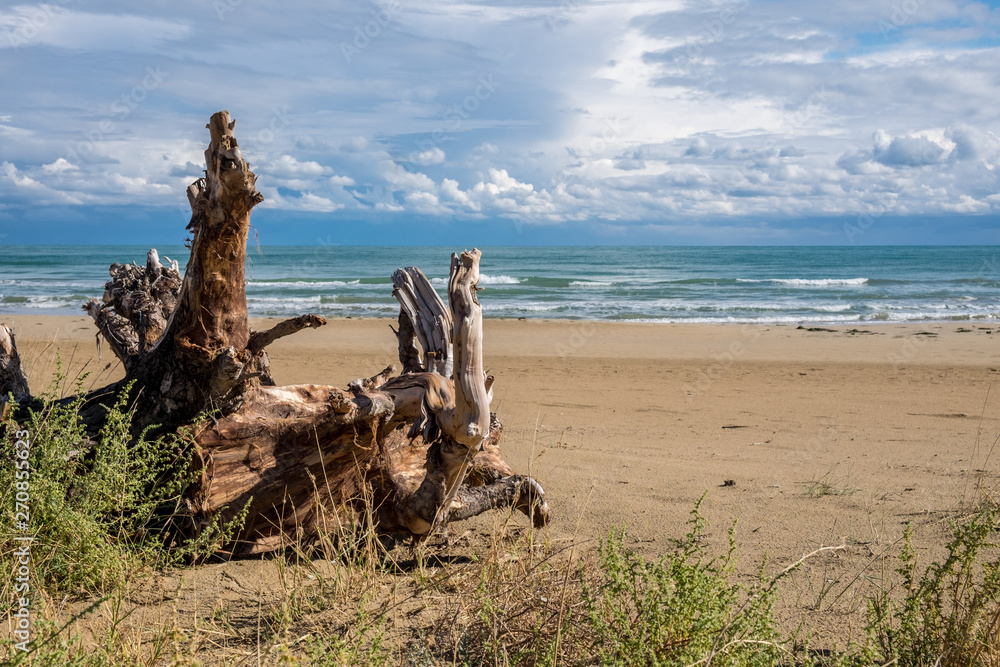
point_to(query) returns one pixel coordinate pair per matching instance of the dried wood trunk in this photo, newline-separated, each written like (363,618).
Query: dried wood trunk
(423,318)
(13,379)
(304,459)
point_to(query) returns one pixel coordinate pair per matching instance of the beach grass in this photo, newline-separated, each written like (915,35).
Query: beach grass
(507,596)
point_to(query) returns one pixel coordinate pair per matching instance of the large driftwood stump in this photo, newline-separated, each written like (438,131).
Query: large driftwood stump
(419,449)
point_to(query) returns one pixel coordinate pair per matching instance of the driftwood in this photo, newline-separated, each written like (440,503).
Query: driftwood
(13,379)
(423,318)
(418,450)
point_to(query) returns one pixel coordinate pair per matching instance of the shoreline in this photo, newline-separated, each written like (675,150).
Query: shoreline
(958,320)
(893,344)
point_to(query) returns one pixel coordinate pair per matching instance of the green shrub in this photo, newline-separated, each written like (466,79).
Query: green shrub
(614,607)
(950,614)
(96,505)
(679,609)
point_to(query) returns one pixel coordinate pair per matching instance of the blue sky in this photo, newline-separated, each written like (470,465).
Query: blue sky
(651,122)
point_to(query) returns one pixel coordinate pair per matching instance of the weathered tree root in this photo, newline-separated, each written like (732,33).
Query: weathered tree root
(417,450)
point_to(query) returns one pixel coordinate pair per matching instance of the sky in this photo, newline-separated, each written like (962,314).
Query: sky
(765,122)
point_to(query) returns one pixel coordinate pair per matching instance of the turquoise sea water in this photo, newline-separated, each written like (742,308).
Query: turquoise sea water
(659,284)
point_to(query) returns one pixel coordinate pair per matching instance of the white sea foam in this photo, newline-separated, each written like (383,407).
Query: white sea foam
(284,301)
(781,320)
(807,282)
(497,280)
(484,279)
(49,303)
(304,283)
(662,288)
(53,284)
(831,308)
(527,307)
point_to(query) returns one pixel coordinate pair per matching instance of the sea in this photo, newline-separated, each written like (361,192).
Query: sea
(773,285)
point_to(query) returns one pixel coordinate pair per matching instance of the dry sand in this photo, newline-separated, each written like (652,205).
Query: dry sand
(835,436)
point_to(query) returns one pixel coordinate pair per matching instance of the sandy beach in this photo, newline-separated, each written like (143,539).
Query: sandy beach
(807,437)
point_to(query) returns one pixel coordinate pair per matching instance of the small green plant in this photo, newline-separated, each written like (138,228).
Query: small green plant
(103,508)
(950,614)
(95,503)
(361,646)
(614,607)
(679,609)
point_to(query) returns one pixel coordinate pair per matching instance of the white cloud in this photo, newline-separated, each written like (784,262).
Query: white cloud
(341,181)
(451,192)
(136,185)
(311,202)
(30,191)
(423,202)
(26,26)
(909,152)
(301,201)
(433,156)
(407,181)
(59,166)
(286,165)
(11,173)
(614,111)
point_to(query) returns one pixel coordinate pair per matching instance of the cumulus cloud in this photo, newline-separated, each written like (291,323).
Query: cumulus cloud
(59,166)
(907,151)
(973,144)
(28,190)
(341,181)
(286,165)
(630,161)
(626,113)
(432,156)
(10,172)
(699,148)
(299,201)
